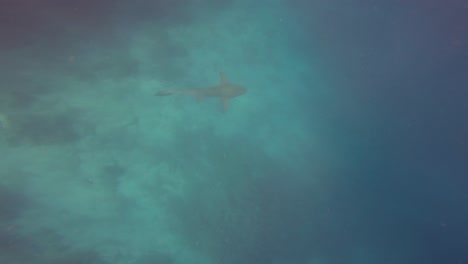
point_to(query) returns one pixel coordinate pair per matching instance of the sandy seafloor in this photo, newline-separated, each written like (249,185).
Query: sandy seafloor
(349,147)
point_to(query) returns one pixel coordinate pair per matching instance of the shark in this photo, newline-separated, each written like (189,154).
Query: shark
(225,90)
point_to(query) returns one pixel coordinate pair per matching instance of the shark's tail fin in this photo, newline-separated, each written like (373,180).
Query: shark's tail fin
(167,92)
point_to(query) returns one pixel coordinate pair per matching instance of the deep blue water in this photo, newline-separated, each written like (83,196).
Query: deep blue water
(349,146)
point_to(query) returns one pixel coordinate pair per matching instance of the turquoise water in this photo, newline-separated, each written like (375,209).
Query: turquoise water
(349,145)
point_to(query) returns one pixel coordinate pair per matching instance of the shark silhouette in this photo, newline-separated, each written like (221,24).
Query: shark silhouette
(225,91)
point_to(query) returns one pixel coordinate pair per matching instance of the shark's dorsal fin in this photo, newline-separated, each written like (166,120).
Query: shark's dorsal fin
(224,80)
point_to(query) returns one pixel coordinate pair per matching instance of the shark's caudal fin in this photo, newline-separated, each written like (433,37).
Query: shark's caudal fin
(171,92)
(167,92)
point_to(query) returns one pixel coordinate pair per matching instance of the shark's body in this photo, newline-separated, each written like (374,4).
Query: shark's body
(225,91)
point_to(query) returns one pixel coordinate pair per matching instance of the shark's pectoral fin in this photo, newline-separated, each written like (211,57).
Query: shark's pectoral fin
(225,102)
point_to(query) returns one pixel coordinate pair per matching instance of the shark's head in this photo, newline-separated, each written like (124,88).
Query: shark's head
(237,90)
